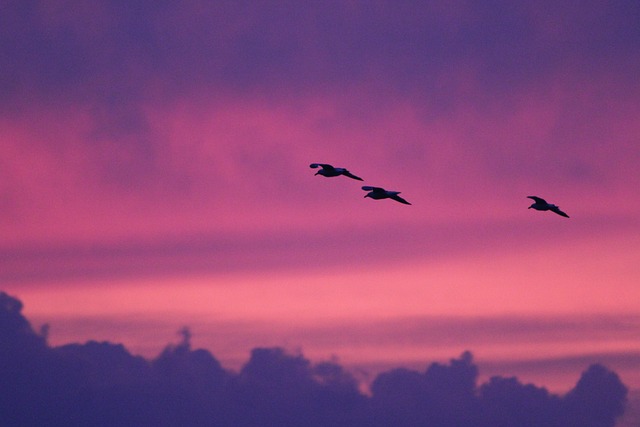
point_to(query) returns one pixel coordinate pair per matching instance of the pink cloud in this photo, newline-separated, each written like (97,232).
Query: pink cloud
(216,167)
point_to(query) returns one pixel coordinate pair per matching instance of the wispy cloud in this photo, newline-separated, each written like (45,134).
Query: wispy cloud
(334,249)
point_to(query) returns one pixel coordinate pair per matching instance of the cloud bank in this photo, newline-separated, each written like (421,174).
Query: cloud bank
(101,384)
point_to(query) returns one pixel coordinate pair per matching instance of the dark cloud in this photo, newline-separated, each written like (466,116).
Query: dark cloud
(502,399)
(442,395)
(103,384)
(112,51)
(597,387)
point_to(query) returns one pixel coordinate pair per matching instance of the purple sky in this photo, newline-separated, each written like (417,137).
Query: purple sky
(154,173)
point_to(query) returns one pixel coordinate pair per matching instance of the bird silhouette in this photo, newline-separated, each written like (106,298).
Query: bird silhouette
(330,171)
(378,193)
(542,205)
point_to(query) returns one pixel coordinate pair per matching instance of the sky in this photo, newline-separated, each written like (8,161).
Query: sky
(154,174)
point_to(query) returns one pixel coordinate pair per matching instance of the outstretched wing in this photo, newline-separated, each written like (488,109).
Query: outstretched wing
(537,199)
(321,165)
(558,211)
(374,189)
(399,199)
(350,175)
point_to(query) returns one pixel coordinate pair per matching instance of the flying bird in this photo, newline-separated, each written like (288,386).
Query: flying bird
(378,193)
(329,171)
(542,205)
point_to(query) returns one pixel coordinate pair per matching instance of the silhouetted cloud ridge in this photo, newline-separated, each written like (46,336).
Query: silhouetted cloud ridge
(102,384)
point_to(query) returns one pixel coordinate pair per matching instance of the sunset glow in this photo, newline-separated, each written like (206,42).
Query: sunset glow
(154,174)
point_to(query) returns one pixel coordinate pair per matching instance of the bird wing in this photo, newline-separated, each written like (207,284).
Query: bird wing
(399,199)
(537,199)
(557,210)
(350,175)
(321,165)
(374,189)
